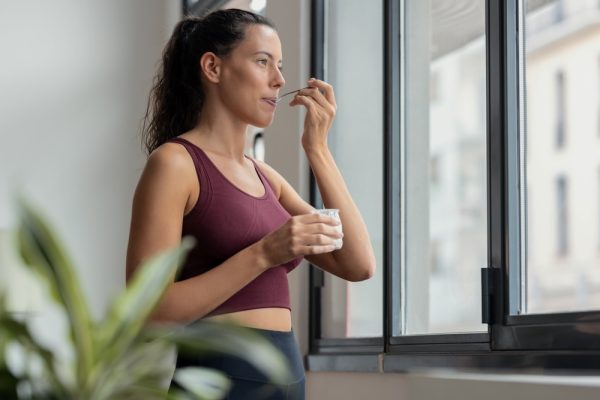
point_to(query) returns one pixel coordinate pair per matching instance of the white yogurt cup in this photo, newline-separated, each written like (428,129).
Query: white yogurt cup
(335,213)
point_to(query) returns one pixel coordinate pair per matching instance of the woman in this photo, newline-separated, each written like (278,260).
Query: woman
(219,74)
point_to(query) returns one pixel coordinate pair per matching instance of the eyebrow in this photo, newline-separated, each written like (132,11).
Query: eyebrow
(268,55)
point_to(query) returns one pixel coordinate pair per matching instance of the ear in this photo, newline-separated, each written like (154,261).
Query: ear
(210,66)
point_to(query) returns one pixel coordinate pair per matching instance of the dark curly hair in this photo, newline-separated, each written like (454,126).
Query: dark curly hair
(176,97)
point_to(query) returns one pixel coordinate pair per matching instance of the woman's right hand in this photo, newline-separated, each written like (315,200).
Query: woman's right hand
(301,235)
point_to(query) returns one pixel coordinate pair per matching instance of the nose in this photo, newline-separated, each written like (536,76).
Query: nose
(278,80)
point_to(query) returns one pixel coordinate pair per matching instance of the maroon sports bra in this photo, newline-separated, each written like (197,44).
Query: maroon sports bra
(224,221)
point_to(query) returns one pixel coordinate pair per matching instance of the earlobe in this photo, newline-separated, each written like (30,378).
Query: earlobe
(210,65)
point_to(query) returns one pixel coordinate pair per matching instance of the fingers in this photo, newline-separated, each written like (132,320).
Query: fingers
(305,244)
(317,218)
(313,234)
(326,88)
(324,229)
(314,244)
(319,249)
(307,101)
(323,96)
(315,95)
(316,229)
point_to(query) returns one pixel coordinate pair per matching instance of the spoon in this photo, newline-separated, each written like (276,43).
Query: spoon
(277,100)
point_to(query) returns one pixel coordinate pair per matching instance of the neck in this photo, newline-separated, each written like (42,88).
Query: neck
(221,132)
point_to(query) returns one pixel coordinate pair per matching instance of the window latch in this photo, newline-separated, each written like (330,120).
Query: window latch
(487,294)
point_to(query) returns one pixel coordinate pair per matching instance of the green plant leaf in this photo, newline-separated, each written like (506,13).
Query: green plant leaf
(143,364)
(130,310)
(181,395)
(14,330)
(204,383)
(8,382)
(40,248)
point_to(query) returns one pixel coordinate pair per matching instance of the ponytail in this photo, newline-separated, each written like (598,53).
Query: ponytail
(176,97)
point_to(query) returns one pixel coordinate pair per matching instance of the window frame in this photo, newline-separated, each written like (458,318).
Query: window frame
(200,7)
(560,102)
(528,342)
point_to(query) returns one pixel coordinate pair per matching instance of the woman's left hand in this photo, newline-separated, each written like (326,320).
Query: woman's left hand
(320,104)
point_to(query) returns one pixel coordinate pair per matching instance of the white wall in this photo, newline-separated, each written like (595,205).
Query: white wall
(75,77)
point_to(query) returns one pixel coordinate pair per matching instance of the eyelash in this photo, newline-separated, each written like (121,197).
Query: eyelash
(265,61)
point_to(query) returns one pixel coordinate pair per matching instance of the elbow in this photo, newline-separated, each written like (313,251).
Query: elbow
(156,317)
(156,320)
(364,272)
(160,317)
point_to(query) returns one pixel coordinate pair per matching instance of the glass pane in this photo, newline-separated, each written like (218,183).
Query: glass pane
(561,135)
(444,166)
(354,66)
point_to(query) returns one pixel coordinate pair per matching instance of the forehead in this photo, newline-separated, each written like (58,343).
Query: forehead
(260,38)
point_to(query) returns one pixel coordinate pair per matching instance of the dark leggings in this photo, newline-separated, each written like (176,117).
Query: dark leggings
(248,383)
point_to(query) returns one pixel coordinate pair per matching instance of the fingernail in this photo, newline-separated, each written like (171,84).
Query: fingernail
(311,79)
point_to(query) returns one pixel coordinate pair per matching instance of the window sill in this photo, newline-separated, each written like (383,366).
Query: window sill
(531,363)
(343,362)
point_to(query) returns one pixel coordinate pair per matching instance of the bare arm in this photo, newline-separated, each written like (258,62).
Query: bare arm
(355,260)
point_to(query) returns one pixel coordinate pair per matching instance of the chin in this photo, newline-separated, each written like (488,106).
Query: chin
(261,123)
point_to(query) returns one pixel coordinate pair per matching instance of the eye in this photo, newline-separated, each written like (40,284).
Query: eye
(263,61)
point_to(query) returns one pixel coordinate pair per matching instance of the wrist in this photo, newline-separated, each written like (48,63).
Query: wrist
(259,255)
(316,151)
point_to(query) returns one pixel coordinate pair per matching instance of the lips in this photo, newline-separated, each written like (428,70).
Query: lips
(270,100)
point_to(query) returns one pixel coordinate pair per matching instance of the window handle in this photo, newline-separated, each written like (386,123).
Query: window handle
(487,295)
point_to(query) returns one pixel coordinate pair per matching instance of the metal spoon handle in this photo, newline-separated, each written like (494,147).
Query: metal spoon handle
(293,91)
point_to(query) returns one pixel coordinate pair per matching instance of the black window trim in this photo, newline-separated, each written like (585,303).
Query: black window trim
(200,7)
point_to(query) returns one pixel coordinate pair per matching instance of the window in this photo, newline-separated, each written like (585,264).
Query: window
(258,146)
(560,108)
(560,254)
(476,266)
(353,65)
(559,10)
(562,217)
(443,44)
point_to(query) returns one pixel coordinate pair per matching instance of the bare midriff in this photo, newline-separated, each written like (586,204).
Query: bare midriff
(275,319)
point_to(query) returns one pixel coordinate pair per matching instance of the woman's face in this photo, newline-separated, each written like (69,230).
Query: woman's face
(251,76)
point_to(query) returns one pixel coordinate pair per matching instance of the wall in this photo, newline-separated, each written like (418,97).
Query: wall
(75,78)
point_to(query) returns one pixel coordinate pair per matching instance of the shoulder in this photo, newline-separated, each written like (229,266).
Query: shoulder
(172,156)
(170,165)
(171,161)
